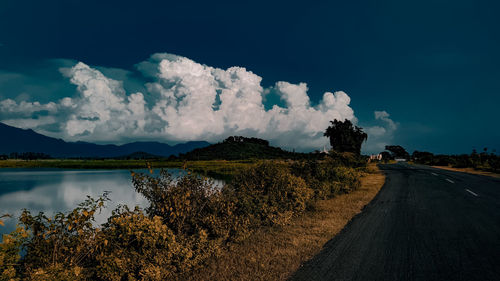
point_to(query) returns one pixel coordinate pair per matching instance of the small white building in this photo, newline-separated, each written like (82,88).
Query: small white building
(324,151)
(377,157)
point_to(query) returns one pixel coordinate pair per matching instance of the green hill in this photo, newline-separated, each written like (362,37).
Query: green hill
(241,148)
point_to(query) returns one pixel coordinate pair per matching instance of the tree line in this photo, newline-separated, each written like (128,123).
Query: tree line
(487,161)
(25,156)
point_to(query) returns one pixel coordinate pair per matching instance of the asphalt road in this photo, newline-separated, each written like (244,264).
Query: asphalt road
(425,224)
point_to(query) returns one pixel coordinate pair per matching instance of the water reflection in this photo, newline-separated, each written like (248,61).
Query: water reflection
(57,190)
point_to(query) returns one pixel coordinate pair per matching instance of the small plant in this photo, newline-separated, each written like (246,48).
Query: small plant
(9,252)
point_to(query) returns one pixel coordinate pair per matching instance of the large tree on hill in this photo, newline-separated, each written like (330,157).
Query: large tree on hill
(345,137)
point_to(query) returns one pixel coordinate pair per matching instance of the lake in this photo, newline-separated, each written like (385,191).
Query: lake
(61,190)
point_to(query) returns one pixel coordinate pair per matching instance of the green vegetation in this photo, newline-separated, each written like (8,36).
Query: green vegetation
(231,149)
(276,252)
(217,169)
(345,137)
(221,160)
(239,148)
(210,168)
(25,156)
(397,151)
(327,178)
(480,161)
(187,221)
(88,164)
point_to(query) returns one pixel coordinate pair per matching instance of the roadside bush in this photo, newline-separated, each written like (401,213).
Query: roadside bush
(444,160)
(190,205)
(346,159)
(136,247)
(462,161)
(495,164)
(480,161)
(348,179)
(327,178)
(269,194)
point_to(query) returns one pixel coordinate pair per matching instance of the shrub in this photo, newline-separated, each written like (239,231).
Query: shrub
(190,205)
(346,159)
(269,194)
(327,178)
(347,179)
(136,247)
(61,246)
(9,253)
(495,164)
(180,203)
(462,161)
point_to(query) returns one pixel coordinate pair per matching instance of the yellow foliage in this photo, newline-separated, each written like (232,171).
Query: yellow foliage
(187,221)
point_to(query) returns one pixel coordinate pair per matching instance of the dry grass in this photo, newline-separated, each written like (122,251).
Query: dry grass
(469,170)
(275,253)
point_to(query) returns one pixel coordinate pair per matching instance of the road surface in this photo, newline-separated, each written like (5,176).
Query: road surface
(425,224)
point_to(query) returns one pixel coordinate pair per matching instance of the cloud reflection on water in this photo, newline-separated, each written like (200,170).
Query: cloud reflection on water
(57,190)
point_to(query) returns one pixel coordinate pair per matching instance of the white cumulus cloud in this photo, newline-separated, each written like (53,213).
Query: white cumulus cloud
(185,100)
(381,134)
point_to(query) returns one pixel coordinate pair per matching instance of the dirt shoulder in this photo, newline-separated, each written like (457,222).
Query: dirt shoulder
(275,253)
(469,170)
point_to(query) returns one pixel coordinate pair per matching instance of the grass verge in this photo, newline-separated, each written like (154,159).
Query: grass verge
(274,253)
(469,170)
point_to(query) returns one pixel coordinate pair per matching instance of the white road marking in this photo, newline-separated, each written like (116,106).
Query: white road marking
(434,174)
(450,180)
(471,192)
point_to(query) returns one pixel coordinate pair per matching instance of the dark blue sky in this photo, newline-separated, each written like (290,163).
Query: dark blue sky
(433,65)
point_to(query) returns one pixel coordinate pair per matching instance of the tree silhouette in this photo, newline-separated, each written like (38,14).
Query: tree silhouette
(398,151)
(345,137)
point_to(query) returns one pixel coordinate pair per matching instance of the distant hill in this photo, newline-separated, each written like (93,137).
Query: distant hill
(16,140)
(240,148)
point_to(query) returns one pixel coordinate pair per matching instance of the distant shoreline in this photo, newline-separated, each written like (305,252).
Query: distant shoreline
(88,163)
(220,169)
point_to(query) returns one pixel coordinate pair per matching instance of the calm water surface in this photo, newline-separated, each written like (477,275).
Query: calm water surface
(61,190)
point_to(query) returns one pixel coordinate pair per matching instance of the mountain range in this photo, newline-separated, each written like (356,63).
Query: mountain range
(18,140)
